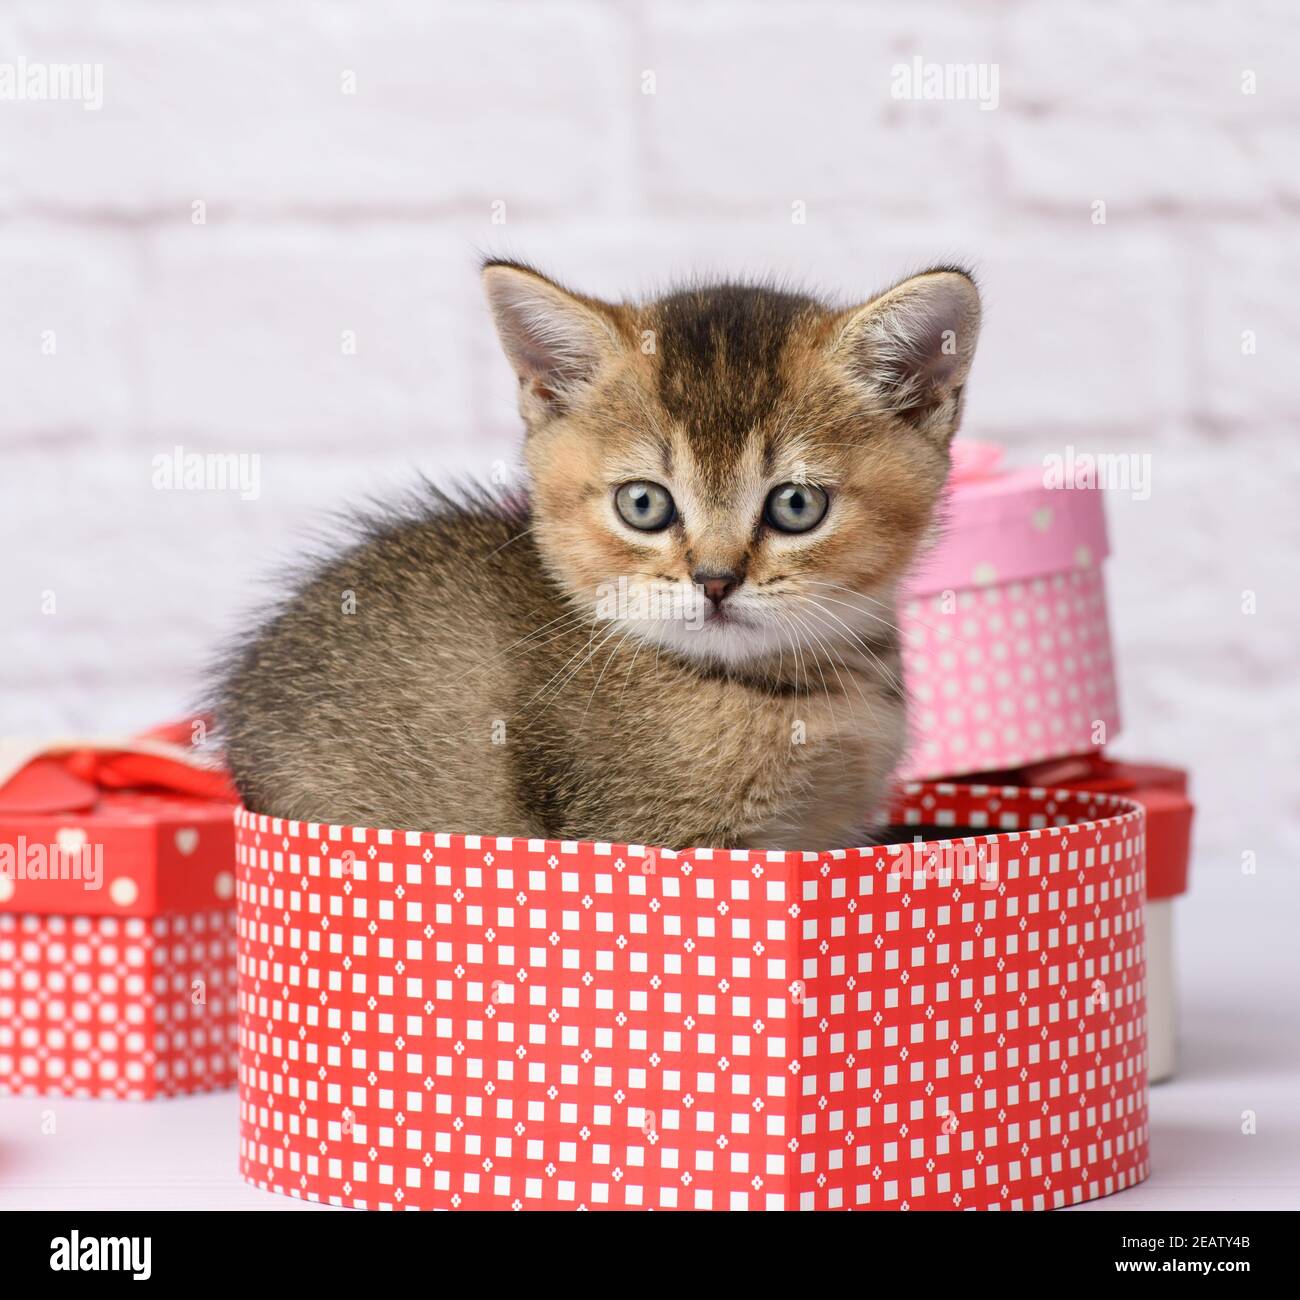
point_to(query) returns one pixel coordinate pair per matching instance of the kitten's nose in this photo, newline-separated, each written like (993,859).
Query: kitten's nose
(717,586)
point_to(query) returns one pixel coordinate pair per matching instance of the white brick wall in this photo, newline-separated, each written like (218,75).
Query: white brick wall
(329,212)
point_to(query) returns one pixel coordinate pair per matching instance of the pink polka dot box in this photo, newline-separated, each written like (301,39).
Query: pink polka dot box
(455,1022)
(1006,645)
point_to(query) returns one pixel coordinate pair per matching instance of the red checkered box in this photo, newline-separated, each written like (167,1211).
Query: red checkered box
(1162,792)
(434,1021)
(117,935)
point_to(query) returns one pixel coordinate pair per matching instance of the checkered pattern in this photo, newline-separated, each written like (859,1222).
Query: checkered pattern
(1005,674)
(103,1006)
(442,1021)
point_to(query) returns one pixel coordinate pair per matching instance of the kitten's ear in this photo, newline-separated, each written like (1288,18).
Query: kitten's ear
(912,347)
(555,340)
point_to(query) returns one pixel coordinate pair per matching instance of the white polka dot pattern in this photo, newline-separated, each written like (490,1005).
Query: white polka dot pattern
(130,1007)
(1004,675)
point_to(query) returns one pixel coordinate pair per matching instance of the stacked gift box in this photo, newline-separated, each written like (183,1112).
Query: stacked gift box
(117,923)
(1010,668)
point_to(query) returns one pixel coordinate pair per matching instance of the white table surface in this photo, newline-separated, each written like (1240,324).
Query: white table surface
(1239,976)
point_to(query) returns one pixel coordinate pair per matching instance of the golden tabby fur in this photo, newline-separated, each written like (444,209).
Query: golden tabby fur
(485,683)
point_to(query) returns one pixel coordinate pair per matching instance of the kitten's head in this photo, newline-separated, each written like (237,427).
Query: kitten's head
(734,471)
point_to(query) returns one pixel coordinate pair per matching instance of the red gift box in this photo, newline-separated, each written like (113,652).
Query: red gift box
(1162,792)
(116,922)
(435,1021)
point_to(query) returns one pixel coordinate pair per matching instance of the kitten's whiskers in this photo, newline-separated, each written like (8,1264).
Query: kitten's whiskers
(890,676)
(832,659)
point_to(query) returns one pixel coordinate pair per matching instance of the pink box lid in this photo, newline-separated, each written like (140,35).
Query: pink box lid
(1003,525)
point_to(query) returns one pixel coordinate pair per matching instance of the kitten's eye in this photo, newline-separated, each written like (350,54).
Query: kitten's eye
(795,507)
(645,505)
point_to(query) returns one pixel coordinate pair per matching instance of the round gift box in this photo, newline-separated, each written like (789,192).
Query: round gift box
(1005,638)
(1162,792)
(435,1021)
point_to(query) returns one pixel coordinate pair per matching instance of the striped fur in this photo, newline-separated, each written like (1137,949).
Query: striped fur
(478,683)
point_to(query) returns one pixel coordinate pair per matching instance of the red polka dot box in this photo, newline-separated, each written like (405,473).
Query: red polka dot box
(117,929)
(1006,644)
(433,1021)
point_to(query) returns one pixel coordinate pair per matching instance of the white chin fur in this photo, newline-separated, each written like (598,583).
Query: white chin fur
(751,630)
(729,641)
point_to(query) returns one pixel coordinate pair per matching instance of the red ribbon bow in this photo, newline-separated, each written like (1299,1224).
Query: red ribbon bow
(66,777)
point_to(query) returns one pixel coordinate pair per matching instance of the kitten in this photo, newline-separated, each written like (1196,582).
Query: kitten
(686,636)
